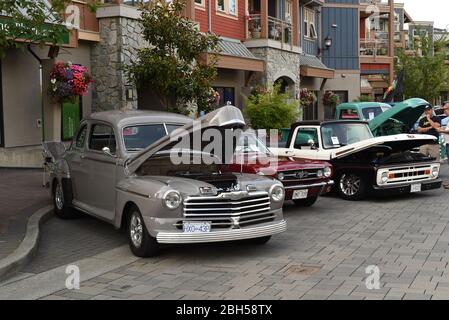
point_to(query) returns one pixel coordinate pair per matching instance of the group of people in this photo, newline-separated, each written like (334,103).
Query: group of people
(432,125)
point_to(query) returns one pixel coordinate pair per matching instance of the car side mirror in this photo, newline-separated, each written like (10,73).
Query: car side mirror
(312,144)
(107,151)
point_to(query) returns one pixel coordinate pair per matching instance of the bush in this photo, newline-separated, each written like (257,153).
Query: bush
(270,109)
(364,98)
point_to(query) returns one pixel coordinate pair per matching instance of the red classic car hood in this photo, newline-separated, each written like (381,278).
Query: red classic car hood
(270,165)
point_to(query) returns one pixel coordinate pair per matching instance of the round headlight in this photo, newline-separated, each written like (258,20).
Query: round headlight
(384,177)
(435,172)
(327,172)
(277,193)
(172,199)
(280,176)
(319,173)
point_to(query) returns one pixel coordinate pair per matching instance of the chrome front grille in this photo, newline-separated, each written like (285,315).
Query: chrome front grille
(407,174)
(308,174)
(222,212)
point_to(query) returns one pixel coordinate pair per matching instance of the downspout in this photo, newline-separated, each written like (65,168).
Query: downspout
(209,17)
(40,88)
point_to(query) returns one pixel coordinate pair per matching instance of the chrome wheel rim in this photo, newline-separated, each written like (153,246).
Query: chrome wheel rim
(350,184)
(136,230)
(59,197)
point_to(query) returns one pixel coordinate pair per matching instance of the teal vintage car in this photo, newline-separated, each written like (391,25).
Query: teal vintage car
(399,119)
(402,118)
(365,111)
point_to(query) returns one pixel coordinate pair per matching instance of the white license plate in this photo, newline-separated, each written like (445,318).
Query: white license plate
(300,194)
(415,188)
(196,227)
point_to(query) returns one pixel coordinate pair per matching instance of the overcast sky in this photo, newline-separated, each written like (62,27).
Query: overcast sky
(428,10)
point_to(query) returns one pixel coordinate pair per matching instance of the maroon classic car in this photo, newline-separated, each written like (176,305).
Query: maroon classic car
(304,180)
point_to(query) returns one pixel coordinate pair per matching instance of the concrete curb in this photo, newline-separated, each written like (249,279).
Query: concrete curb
(23,254)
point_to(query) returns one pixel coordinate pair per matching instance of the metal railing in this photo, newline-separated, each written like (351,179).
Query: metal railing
(278,30)
(373,47)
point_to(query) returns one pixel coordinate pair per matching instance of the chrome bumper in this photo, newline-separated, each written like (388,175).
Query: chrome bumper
(308,186)
(218,236)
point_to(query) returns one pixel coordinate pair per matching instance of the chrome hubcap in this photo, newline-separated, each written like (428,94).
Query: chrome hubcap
(59,197)
(136,230)
(350,184)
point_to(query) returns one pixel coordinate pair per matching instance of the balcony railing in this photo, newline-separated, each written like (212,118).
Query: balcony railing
(278,30)
(373,47)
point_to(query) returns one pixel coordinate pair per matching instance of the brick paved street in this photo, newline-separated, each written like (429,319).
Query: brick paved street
(21,194)
(323,255)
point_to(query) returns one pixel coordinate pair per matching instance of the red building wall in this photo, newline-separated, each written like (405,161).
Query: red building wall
(226,26)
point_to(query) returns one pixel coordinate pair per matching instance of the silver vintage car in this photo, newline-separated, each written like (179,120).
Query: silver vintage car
(119,169)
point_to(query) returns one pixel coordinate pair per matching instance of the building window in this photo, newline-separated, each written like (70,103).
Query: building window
(199,3)
(102,136)
(227,7)
(309,24)
(227,94)
(71,115)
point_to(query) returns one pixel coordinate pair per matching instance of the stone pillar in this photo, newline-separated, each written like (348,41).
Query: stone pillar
(120,38)
(264,18)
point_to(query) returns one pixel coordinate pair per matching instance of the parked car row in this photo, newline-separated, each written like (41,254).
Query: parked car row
(124,167)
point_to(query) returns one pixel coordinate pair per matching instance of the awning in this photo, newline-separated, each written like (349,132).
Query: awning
(235,55)
(311,66)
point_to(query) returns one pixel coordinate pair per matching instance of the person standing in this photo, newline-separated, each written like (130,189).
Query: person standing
(445,128)
(430,125)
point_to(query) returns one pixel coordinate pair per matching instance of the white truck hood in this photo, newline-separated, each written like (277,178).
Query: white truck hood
(397,143)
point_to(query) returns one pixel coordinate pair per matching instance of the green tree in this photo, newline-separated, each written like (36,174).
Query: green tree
(34,21)
(270,109)
(425,71)
(173,63)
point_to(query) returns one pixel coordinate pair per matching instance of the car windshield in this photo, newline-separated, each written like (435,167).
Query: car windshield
(337,135)
(369,113)
(139,137)
(250,143)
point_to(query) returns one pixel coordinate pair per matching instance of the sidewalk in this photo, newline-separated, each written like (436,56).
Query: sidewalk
(21,194)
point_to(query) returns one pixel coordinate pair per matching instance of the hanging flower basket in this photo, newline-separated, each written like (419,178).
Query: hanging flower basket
(68,81)
(330,99)
(307,98)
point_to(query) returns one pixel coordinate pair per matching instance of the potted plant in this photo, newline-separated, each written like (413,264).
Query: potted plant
(256,32)
(330,102)
(68,81)
(307,98)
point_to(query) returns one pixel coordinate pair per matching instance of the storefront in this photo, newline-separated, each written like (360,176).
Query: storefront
(28,115)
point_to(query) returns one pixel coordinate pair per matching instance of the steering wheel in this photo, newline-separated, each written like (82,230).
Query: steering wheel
(353,140)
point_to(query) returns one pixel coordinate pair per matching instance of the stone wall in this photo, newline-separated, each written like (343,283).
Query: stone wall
(279,63)
(120,38)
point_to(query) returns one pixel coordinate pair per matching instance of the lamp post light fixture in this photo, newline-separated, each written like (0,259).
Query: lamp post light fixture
(328,42)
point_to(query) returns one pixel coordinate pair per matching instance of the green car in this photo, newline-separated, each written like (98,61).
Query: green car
(401,118)
(365,111)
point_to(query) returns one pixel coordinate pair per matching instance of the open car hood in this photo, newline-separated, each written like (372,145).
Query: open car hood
(227,117)
(396,143)
(407,112)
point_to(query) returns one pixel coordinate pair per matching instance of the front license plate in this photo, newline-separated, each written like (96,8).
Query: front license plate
(300,194)
(415,188)
(196,227)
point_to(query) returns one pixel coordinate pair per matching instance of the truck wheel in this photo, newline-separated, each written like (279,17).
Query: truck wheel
(306,202)
(62,209)
(351,186)
(141,243)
